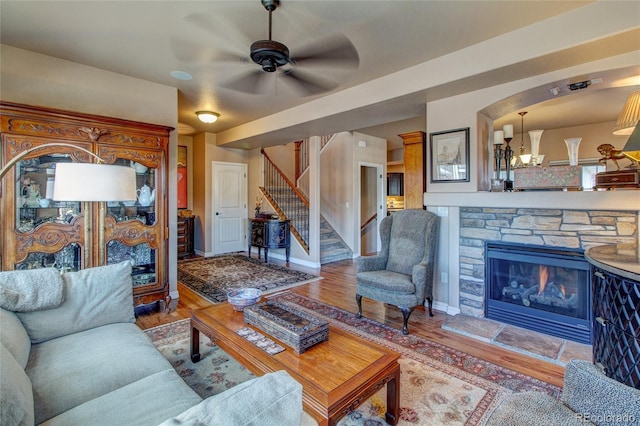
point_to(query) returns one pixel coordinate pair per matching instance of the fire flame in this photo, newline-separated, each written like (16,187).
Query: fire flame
(544,277)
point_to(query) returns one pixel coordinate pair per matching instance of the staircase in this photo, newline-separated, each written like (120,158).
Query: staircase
(290,204)
(332,247)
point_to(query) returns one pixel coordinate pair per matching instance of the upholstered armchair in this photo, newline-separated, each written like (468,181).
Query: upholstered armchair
(402,272)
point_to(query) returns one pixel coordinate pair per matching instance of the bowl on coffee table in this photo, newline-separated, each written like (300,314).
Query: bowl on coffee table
(242,297)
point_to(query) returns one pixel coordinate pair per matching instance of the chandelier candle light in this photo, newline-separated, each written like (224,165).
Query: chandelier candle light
(497,184)
(508,155)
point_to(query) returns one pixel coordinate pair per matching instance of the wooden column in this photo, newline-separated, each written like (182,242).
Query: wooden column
(414,168)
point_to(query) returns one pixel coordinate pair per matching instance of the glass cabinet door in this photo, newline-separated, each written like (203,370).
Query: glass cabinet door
(47,233)
(131,230)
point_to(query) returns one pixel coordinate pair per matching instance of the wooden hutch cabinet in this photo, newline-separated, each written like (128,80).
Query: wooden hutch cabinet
(38,232)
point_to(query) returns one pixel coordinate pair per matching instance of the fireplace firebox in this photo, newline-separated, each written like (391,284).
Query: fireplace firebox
(544,289)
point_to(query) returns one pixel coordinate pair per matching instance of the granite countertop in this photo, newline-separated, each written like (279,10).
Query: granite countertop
(622,259)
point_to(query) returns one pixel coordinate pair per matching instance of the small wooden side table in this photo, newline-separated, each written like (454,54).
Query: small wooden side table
(269,233)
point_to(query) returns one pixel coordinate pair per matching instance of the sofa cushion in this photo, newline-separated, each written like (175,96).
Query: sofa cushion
(15,388)
(71,370)
(30,290)
(598,398)
(387,281)
(533,409)
(14,337)
(92,297)
(273,399)
(148,401)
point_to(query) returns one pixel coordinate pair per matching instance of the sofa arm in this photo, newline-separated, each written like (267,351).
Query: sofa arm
(597,398)
(273,399)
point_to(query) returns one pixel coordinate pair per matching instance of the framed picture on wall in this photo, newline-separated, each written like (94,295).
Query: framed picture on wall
(450,155)
(182,177)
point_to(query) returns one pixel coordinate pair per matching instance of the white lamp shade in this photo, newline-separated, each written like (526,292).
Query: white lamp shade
(94,182)
(629,115)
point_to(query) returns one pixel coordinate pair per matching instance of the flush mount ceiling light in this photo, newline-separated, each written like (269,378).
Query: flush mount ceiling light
(208,116)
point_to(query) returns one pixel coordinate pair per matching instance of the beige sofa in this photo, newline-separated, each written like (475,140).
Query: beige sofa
(71,354)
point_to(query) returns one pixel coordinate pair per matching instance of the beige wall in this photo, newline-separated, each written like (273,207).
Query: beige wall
(35,79)
(462,111)
(205,151)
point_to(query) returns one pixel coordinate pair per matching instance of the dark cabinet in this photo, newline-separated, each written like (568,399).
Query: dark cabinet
(395,183)
(616,327)
(269,233)
(185,237)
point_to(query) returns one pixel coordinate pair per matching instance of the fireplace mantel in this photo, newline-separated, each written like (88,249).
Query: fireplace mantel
(575,200)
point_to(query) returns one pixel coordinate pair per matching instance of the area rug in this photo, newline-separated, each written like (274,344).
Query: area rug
(214,277)
(439,385)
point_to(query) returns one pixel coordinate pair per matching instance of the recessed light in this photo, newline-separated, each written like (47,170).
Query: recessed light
(180,75)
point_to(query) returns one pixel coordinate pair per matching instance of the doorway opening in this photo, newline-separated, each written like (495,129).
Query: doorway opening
(371,191)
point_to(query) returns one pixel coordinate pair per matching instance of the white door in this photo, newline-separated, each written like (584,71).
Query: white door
(229,207)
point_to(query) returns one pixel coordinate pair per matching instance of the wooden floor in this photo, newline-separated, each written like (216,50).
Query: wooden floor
(338,289)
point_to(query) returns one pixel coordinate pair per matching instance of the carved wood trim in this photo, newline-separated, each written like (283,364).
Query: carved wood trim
(49,238)
(130,232)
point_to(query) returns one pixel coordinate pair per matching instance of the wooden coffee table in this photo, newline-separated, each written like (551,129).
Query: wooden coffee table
(336,375)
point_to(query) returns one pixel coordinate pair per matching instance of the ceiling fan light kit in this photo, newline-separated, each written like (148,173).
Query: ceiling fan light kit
(208,116)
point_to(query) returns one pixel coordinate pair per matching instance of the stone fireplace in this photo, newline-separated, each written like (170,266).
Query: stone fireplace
(557,220)
(552,228)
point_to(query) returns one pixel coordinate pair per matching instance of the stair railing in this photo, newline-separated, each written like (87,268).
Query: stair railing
(302,154)
(278,189)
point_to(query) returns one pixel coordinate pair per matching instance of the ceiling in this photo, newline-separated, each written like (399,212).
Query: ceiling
(210,40)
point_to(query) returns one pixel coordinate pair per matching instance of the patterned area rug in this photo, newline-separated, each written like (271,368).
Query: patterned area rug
(439,385)
(214,277)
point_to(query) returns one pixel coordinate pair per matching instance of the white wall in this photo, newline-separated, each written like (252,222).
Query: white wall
(35,79)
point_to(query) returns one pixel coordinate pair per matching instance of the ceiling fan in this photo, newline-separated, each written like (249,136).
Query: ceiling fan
(306,70)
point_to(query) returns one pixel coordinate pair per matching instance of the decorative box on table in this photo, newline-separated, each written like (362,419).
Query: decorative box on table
(618,179)
(557,177)
(295,328)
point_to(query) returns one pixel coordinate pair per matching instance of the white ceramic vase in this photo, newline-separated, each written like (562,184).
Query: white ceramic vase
(535,136)
(572,148)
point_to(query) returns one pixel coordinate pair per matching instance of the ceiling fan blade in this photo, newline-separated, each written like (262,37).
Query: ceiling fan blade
(334,50)
(195,53)
(249,82)
(307,84)
(223,30)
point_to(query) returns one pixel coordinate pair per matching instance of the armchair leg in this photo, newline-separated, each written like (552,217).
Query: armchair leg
(359,301)
(430,300)
(406,312)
